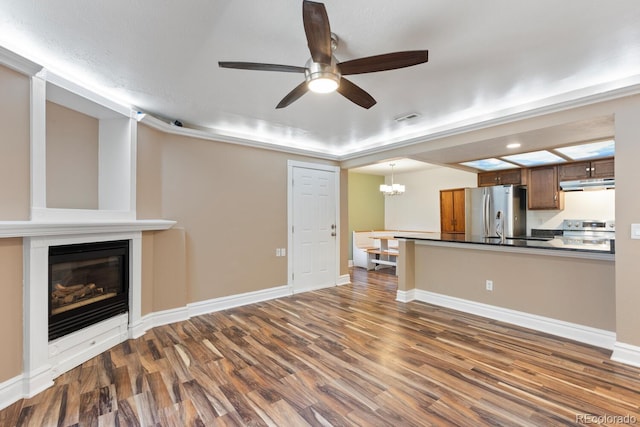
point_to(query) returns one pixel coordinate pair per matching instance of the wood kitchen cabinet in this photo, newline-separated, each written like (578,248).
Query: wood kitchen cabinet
(543,191)
(502,177)
(452,211)
(603,168)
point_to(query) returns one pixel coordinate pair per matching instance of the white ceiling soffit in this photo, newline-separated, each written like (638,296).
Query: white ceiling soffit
(486,60)
(400,166)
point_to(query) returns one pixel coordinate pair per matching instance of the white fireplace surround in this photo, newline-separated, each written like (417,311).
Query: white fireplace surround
(44,360)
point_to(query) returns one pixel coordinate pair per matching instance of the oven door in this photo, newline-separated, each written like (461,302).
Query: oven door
(587,240)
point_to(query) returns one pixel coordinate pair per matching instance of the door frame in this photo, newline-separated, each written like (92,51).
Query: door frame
(290,258)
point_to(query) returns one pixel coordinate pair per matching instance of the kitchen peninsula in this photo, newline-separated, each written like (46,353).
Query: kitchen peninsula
(532,283)
(555,243)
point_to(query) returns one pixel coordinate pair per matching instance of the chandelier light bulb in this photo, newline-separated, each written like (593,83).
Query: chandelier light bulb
(393,189)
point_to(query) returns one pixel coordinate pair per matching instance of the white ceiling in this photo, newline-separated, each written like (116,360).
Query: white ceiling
(484,57)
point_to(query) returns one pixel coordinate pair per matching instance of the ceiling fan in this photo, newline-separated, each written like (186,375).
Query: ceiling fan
(322,72)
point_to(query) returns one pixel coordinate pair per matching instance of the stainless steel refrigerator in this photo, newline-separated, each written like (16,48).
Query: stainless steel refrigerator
(496,210)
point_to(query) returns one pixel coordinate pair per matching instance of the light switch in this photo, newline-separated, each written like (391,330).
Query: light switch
(635,231)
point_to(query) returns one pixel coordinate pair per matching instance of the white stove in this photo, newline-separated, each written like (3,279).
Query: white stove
(586,233)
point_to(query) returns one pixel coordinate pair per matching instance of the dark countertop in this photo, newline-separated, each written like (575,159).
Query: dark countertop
(555,243)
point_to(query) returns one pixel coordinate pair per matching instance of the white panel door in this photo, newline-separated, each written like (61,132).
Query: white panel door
(314,228)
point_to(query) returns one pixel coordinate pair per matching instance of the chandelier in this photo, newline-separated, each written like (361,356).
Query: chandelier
(393,189)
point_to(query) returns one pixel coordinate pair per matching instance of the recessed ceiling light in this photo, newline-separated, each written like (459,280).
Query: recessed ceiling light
(514,145)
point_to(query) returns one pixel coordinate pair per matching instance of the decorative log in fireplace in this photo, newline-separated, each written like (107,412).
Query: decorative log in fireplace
(88,282)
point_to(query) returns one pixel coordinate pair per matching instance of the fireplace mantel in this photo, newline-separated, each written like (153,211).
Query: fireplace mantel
(61,228)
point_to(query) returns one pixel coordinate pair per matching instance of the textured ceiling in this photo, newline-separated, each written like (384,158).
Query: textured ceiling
(485,58)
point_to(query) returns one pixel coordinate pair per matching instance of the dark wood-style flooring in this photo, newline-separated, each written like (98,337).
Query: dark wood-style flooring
(343,356)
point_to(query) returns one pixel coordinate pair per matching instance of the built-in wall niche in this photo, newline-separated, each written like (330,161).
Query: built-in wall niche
(72,158)
(83,154)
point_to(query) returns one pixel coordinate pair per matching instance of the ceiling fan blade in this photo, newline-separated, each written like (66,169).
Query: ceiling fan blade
(355,94)
(294,95)
(316,27)
(388,61)
(258,66)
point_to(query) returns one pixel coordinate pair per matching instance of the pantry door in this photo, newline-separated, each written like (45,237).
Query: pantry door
(313,221)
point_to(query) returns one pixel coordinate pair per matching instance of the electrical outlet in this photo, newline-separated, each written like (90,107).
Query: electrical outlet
(489,285)
(278,252)
(283,251)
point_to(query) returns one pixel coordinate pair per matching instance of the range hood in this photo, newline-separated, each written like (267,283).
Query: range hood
(588,184)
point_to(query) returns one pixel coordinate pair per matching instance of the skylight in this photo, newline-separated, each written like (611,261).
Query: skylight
(535,158)
(489,164)
(589,151)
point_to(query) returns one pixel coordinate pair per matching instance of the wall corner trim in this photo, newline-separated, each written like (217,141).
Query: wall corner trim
(581,333)
(626,353)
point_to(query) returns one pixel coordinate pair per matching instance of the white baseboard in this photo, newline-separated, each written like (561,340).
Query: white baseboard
(159,318)
(11,390)
(406,296)
(223,303)
(573,331)
(34,382)
(345,279)
(626,353)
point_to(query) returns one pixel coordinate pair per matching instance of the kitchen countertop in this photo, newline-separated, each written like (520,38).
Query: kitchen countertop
(556,243)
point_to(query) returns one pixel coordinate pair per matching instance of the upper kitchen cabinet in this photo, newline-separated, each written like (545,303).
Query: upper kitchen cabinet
(500,177)
(543,190)
(603,168)
(452,211)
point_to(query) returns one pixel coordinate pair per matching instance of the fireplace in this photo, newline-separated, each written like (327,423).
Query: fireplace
(88,283)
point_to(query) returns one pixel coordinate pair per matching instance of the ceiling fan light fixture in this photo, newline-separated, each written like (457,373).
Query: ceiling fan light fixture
(323,85)
(322,78)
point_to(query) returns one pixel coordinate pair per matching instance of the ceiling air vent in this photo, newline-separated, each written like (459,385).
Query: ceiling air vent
(406,117)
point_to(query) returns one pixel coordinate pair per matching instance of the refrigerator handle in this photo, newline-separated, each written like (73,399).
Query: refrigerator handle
(485,213)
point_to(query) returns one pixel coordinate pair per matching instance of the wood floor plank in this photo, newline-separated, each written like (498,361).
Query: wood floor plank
(342,356)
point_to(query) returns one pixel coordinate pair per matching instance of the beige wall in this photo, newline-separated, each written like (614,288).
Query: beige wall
(573,290)
(366,204)
(149,178)
(147,273)
(14,146)
(627,213)
(14,205)
(164,274)
(72,159)
(231,201)
(11,308)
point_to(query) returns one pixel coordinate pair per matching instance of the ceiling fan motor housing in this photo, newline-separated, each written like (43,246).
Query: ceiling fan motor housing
(320,75)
